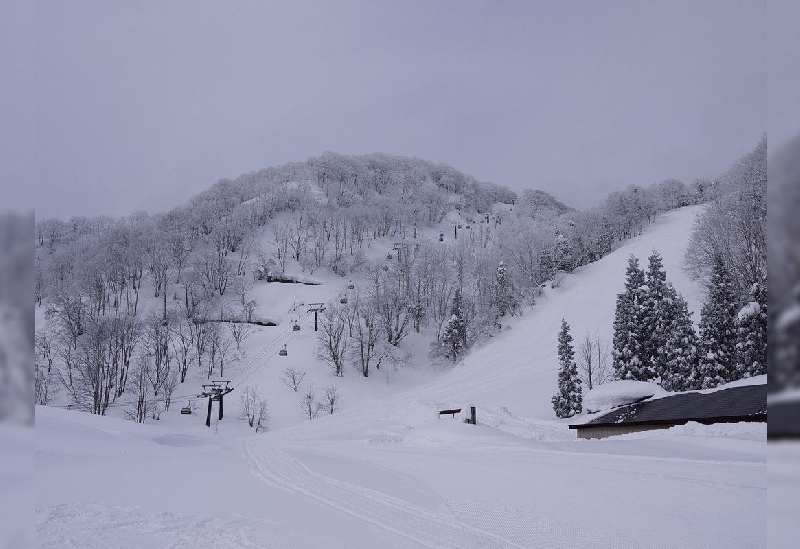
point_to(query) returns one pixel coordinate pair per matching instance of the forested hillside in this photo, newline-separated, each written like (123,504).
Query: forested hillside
(141,301)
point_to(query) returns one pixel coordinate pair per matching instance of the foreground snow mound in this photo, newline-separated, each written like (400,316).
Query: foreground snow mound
(619,393)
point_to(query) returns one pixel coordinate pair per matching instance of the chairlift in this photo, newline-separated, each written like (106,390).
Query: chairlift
(351,286)
(441,237)
(283,352)
(187,409)
(389,255)
(343,301)
(296,327)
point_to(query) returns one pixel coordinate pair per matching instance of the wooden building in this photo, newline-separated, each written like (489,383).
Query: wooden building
(745,403)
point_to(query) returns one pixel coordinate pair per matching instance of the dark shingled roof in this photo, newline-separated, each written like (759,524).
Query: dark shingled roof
(784,420)
(747,403)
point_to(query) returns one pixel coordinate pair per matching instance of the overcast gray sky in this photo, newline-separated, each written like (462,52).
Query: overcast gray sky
(139,105)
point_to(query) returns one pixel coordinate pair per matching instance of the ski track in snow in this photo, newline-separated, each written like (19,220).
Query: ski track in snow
(473,524)
(414,523)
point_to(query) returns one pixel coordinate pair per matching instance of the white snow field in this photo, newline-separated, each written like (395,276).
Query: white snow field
(387,472)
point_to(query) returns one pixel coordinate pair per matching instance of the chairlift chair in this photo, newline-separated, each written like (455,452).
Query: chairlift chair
(296,327)
(187,409)
(283,352)
(343,301)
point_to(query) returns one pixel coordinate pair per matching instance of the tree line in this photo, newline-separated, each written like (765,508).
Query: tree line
(655,339)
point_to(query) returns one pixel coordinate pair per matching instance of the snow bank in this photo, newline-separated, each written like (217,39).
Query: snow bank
(619,393)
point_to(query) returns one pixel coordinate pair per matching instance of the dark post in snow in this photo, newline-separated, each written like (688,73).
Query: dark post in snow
(472,415)
(316,307)
(455,231)
(215,391)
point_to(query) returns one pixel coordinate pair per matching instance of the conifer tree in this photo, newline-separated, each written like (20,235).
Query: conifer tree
(564,256)
(569,399)
(751,328)
(627,350)
(717,363)
(679,353)
(655,324)
(504,292)
(454,335)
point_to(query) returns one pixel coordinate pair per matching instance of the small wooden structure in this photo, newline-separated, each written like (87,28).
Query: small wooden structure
(452,412)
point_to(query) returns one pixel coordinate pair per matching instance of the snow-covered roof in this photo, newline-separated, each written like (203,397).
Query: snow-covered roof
(740,403)
(619,393)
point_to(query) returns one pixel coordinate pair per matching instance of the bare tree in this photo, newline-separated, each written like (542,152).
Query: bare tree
(240,331)
(366,342)
(168,386)
(182,344)
(140,384)
(282,235)
(44,388)
(156,342)
(586,360)
(213,342)
(224,351)
(262,415)
(309,404)
(593,360)
(248,400)
(241,287)
(254,408)
(331,340)
(331,399)
(293,377)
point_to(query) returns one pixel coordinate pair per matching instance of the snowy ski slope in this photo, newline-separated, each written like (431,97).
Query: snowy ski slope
(387,472)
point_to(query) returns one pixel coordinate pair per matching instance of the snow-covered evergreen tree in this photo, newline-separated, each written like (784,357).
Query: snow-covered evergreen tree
(751,328)
(569,399)
(717,363)
(656,320)
(504,292)
(454,334)
(563,254)
(679,352)
(628,353)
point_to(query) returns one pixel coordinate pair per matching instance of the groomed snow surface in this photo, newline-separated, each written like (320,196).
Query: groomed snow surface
(387,472)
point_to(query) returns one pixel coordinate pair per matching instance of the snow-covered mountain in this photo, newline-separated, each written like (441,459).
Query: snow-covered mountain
(385,470)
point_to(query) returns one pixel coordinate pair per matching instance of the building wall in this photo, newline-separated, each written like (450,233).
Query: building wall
(602,432)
